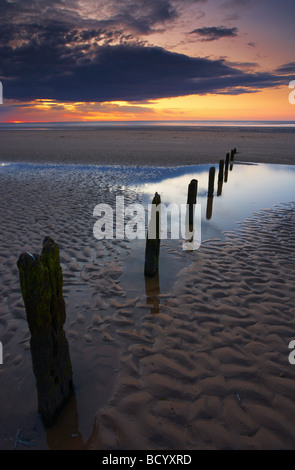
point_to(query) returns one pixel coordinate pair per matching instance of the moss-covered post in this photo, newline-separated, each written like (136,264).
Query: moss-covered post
(152,249)
(191,202)
(41,286)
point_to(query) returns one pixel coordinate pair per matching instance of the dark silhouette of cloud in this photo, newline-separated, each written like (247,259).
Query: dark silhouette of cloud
(288,68)
(213,33)
(67,54)
(122,72)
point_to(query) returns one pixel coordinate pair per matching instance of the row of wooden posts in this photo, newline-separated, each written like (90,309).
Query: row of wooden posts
(152,250)
(41,283)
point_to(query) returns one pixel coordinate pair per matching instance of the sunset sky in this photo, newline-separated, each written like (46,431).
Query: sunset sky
(93,60)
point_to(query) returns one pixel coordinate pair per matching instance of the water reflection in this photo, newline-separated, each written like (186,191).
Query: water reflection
(65,434)
(152,291)
(250,187)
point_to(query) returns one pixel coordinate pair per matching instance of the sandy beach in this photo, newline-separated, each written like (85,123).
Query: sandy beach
(148,146)
(200,363)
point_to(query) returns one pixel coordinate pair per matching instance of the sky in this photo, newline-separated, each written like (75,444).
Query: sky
(138,60)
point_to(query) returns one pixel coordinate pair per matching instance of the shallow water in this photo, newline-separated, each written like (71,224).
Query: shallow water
(101,278)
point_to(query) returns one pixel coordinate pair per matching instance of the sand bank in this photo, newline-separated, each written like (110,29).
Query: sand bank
(166,146)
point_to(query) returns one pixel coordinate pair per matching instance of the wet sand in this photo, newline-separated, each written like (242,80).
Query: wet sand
(201,365)
(148,146)
(211,370)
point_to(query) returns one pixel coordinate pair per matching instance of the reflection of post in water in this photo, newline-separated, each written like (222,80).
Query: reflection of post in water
(152,291)
(65,435)
(210,193)
(191,202)
(220,178)
(152,249)
(41,286)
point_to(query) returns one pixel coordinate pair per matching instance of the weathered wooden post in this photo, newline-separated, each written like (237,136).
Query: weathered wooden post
(210,192)
(41,286)
(226,167)
(220,178)
(221,168)
(191,202)
(211,181)
(209,207)
(152,248)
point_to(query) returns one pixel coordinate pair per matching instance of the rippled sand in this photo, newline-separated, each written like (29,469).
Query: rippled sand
(201,366)
(211,370)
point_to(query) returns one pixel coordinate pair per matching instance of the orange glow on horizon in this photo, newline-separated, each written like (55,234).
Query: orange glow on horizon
(269,104)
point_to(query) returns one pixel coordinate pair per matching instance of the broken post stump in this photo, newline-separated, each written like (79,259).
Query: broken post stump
(211,181)
(191,202)
(232,154)
(152,248)
(41,287)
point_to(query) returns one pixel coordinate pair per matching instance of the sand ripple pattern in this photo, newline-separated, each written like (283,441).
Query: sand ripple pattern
(211,370)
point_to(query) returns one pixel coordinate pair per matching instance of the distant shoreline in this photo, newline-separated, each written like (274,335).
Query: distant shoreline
(148,146)
(146,124)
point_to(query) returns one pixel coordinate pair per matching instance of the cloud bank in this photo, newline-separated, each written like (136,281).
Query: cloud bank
(215,32)
(92,51)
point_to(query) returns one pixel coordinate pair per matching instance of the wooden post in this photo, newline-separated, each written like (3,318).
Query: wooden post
(221,168)
(211,181)
(220,178)
(41,286)
(209,208)
(226,168)
(191,202)
(152,248)
(232,154)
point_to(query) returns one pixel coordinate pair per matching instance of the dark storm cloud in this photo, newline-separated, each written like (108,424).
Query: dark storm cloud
(215,32)
(68,55)
(287,68)
(123,72)
(140,16)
